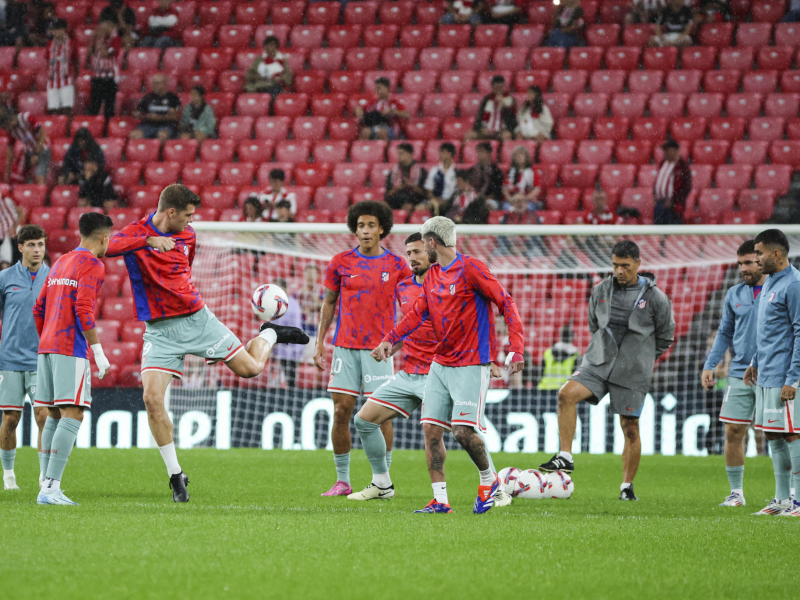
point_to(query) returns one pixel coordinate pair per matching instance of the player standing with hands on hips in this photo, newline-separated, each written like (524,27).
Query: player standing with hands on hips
(632,326)
(775,367)
(19,288)
(456,297)
(362,282)
(65,320)
(737,330)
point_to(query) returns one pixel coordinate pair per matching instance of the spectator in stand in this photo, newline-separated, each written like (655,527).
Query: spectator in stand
(600,214)
(486,177)
(270,73)
(404,183)
(713,11)
(197,121)
(12,27)
(123,19)
(252,210)
(290,355)
(158,112)
(34,158)
(496,118)
(103,59)
(96,189)
(674,26)
(382,118)
(41,18)
(460,12)
(440,183)
(465,195)
(672,187)
(162,27)
(11,219)
(520,212)
(270,199)
(282,212)
(568,25)
(522,179)
(792,15)
(534,120)
(62,61)
(645,11)
(83,148)
(501,12)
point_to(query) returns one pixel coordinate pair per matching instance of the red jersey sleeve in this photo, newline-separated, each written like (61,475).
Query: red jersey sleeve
(130,238)
(39,309)
(413,319)
(333,280)
(192,248)
(482,280)
(89,284)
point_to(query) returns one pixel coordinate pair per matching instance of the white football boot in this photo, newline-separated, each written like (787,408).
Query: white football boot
(373,492)
(735,499)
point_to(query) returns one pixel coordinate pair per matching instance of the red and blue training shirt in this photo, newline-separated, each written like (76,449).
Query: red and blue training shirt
(456,301)
(161,281)
(420,346)
(65,307)
(366,286)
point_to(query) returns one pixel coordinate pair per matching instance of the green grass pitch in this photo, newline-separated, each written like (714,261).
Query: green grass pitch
(256,527)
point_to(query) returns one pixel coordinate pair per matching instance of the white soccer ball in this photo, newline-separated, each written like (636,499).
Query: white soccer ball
(508,479)
(559,485)
(531,485)
(269,302)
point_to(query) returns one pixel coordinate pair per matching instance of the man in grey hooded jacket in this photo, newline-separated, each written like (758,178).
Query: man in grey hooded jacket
(632,325)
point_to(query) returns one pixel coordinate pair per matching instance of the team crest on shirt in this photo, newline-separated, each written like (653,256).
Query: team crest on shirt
(771,297)
(385,276)
(452,289)
(641,303)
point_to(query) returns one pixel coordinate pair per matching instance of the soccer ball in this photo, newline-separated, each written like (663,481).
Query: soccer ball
(269,302)
(508,479)
(559,485)
(531,484)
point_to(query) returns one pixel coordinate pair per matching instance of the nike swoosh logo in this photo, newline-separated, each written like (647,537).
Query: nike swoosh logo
(775,421)
(231,346)
(351,276)
(795,472)
(601,301)
(737,306)
(463,414)
(382,494)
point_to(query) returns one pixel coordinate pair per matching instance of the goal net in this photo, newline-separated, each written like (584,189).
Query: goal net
(549,271)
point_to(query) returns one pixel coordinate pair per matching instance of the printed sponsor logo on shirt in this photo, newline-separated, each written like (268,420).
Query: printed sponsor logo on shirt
(452,289)
(385,276)
(216,346)
(641,303)
(472,404)
(774,410)
(771,296)
(62,281)
(368,378)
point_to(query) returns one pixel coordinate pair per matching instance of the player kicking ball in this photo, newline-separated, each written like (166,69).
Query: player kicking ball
(455,298)
(403,393)
(64,315)
(159,251)
(19,288)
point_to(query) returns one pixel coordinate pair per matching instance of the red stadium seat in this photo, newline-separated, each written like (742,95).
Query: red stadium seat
(623,58)
(749,152)
(557,152)
(785,152)
(743,105)
(637,35)
(524,79)
(108,330)
(346,82)
(371,76)
(782,105)
(733,176)
(399,59)
(490,36)
(182,151)
(196,173)
(287,13)
(558,104)
(687,129)
(473,59)
(417,36)
(585,58)
(323,13)
(343,37)
(645,81)
(64,196)
(760,202)
(705,105)
(271,128)
(143,150)
(127,174)
(740,58)
(280,31)
(330,151)
(50,218)
(768,12)
(551,59)
(143,197)
(608,81)
(684,81)
(312,175)
(718,35)
(604,35)
(650,128)
(698,57)
(723,81)
(291,105)
(309,128)
(590,105)
(95,125)
(380,36)
(773,177)
(55,125)
(713,203)
(661,59)
(787,34)
(220,197)
(32,102)
(440,106)
(454,36)
(235,36)
(628,105)
(484,80)
(727,128)
(214,13)
(423,82)
(580,175)
(362,59)
(199,37)
(236,174)
(425,128)
(310,82)
(617,177)
(252,151)
(570,82)
(596,152)
(760,82)
(252,13)
(207,79)
(144,59)
(455,128)
(343,129)
(641,199)
(378,173)
(646,175)
(436,59)
(702,176)
(361,13)
(469,104)
(711,152)
(766,128)
(231,81)
(332,198)
(307,36)
(563,199)
(396,13)
(218,59)
(32,59)
(739,218)
(634,152)
(793,129)
(292,151)
(611,128)
(575,128)
(511,59)
(457,82)
(163,173)
(118,309)
(352,175)
(236,128)
(753,34)
(667,105)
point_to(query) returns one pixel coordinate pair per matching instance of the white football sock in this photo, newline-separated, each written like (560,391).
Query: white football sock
(739,491)
(565,454)
(440,492)
(9,474)
(51,486)
(382,480)
(170,458)
(269,336)
(624,486)
(487,477)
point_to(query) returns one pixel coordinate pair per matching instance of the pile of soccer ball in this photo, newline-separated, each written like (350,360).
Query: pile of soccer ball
(534,485)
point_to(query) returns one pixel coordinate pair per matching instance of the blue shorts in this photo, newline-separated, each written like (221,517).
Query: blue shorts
(151,131)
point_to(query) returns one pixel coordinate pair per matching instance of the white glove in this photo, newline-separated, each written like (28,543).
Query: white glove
(100,360)
(513,357)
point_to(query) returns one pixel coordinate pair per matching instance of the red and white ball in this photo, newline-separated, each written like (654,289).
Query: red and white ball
(559,485)
(508,479)
(531,484)
(269,302)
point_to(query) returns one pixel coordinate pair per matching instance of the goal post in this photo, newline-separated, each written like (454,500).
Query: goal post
(549,270)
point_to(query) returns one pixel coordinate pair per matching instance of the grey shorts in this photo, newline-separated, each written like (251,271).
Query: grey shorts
(624,401)
(456,396)
(739,403)
(14,385)
(63,381)
(355,370)
(402,393)
(772,413)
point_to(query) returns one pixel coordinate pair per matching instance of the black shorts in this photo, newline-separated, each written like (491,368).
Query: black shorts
(624,401)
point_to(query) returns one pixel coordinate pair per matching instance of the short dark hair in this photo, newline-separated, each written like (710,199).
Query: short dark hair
(773,237)
(448,147)
(277,174)
(379,210)
(284,204)
(498,79)
(406,147)
(384,81)
(271,39)
(92,222)
(462,174)
(414,237)
(27,233)
(748,247)
(625,249)
(485,146)
(177,196)
(253,201)
(58,24)
(200,90)
(671,144)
